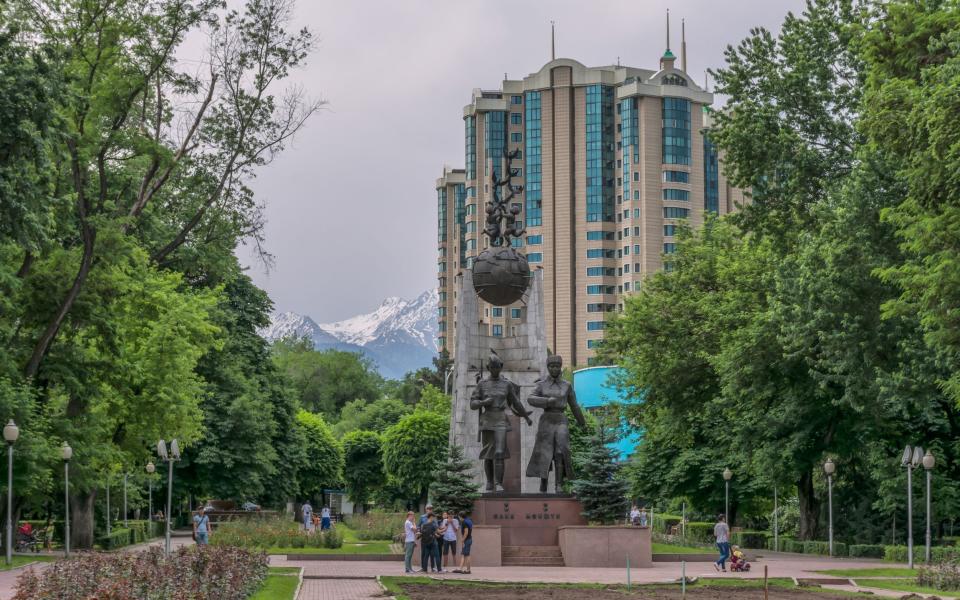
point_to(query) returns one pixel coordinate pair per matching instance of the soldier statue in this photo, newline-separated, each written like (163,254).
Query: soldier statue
(492,397)
(552,446)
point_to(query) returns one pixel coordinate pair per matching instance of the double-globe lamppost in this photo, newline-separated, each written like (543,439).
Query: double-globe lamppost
(727,476)
(912,457)
(929,462)
(830,468)
(10,433)
(150,471)
(173,455)
(66,453)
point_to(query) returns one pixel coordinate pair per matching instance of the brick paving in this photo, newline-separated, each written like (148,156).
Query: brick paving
(339,589)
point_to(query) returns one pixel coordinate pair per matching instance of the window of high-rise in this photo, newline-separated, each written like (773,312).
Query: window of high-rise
(534,189)
(460,199)
(470,126)
(676,131)
(711,177)
(442,214)
(599,140)
(494,141)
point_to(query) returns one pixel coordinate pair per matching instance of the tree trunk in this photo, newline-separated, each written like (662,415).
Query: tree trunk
(81,520)
(809,507)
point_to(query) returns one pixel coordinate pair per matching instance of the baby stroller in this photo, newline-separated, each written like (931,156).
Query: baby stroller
(738,562)
(27,539)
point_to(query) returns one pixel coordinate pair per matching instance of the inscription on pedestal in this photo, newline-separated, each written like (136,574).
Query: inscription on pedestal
(528,521)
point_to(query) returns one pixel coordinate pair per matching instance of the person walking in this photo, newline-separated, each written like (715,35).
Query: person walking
(325,519)
(722,532)
(643,517)
(428,545)
(307,514)
(202,528)
(466,528)
(635,516)
(409,542)
(449,541)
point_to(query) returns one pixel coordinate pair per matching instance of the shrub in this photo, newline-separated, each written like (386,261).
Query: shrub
(783,543)
(664,522)
(750,539)
(700,532)
(944,577)
(937,553)
(332,538)
(272,532)
(376,525)
(205,573)
(118,538)
(866,551)
(792,546)
(823,548)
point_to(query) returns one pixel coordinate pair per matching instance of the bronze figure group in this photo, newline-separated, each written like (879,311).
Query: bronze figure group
(495,394)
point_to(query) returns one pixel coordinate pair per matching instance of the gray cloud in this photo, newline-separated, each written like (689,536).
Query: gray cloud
(351,204)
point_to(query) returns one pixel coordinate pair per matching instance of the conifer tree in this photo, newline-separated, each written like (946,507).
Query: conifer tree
(600,488)
(454,489)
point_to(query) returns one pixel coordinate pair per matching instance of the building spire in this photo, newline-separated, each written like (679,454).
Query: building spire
(553,41)
(668,31)
(683,46)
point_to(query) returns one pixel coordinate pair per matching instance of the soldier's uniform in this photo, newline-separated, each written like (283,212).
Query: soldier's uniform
(493,397)
(553,431)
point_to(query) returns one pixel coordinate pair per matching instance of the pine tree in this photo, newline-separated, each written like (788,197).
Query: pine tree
(600,489)
(454,489)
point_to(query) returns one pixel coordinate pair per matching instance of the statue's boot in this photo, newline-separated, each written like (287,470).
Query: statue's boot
(558,474)
(543,485)
(498,473)
(488,473)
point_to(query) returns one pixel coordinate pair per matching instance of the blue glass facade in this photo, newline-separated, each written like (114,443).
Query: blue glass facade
(630,138)
(470,134)
(534,164)
(600,154)
(711,177)
(494,141)
(676,131)
(442,214)
(460,200)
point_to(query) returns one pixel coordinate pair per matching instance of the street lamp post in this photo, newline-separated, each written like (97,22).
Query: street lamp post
(150,471)
(928,463)
(173,455)
(125,523)
(776,530)
(446,381)
(108,505)
(911,458)
(727,475)
(829,468)
(10,433)
(66,453)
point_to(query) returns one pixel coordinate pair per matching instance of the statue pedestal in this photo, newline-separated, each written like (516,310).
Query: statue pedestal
(528,519)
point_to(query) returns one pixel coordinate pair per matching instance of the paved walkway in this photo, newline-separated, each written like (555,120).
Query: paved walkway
(339,589)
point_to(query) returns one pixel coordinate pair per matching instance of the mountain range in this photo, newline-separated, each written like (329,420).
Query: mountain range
(399,336)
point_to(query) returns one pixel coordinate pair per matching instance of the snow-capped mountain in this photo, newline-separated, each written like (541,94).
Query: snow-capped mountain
(399,336)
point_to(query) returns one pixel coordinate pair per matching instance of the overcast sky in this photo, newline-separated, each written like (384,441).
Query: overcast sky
(351,204)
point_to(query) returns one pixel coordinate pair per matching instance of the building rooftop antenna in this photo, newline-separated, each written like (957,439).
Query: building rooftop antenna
(683,45)
(553,40)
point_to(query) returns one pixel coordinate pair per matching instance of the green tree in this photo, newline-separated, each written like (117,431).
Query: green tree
(374,416)
(323,468)
(600,489)
(325,381)
(414,449)
(454,488)
(363,471)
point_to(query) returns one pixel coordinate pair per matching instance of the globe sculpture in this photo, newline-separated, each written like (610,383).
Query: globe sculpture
(501,274)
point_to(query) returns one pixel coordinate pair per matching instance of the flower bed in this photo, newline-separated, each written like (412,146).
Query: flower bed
(196,573)
(376,525)
(944,577)
(271,533)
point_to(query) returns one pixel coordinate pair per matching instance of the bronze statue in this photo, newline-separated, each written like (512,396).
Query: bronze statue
(552,447)
(492,396)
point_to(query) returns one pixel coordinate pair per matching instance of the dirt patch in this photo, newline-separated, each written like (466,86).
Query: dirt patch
(512,592)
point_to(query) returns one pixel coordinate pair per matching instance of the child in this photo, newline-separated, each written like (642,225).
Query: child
(738,562)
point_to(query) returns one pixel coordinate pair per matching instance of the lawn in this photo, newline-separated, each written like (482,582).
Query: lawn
(20,560)
(904,585)
(659,548)
(881,572)
(347,548)
(277,587)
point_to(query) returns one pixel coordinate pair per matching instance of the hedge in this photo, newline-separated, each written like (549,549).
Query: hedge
(750,539)
(937,553)
(823,548)
(783,543)
(137,532)
(118,538)
(866,551)
(792,546)
(700,532)
(663,522)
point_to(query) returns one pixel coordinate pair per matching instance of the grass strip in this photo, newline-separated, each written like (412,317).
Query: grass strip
(277,587)
(904,585)
(19,561)
(878,572)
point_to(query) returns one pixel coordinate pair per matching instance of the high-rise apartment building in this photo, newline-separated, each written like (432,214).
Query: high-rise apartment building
(613,160)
